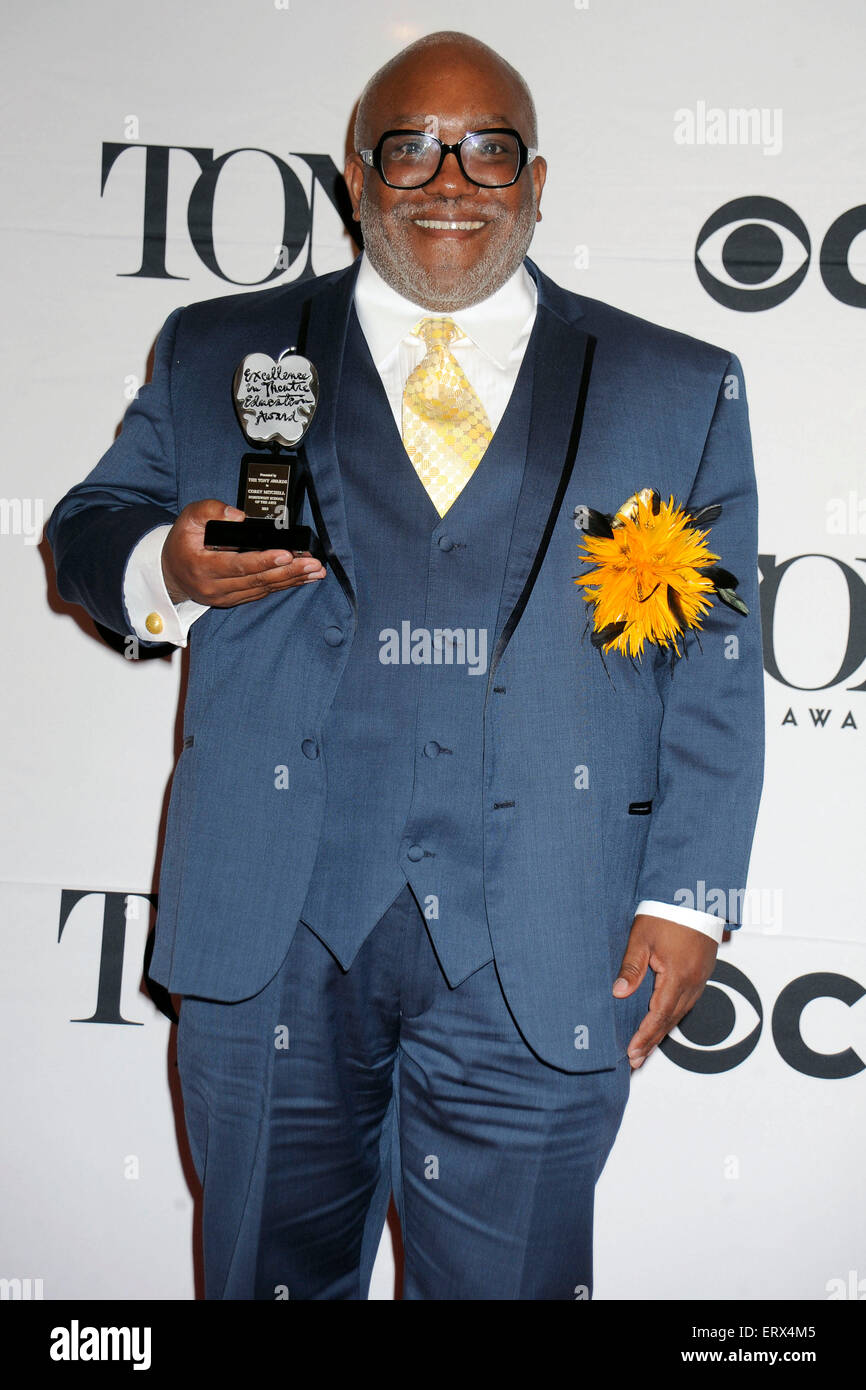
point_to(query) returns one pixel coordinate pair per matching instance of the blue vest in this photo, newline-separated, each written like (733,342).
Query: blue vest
(403,741)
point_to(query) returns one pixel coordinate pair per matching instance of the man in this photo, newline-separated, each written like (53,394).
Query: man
(426,853)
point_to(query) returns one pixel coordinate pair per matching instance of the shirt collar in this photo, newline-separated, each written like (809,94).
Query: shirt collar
(494,325)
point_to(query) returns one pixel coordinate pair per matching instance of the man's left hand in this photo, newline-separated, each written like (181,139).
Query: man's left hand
(682,960)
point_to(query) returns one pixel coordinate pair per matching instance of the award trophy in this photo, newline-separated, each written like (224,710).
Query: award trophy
(275,403)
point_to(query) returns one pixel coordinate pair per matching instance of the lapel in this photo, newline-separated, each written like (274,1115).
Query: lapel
(562,353)
(322,338)
(562,364)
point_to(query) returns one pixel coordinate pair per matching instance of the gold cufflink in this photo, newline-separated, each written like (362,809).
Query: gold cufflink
(153,623)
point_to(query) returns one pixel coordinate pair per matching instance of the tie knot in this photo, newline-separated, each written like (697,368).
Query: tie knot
(438,332)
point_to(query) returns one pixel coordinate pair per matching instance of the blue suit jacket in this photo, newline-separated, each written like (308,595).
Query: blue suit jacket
(566,864)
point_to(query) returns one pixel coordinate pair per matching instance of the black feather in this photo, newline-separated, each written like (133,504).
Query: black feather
(598,524)
(733,601)
(606,671)
(676,608)
(650,594)
(608,634)
(722,578)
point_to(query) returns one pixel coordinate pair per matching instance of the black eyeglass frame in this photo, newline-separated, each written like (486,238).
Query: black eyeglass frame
(373,158)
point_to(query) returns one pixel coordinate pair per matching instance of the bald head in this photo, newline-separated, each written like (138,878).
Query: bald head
(444,52)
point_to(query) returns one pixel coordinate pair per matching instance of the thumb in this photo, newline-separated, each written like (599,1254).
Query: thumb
(633,968)
(211,509)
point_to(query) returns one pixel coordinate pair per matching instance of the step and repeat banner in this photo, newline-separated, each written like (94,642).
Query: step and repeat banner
(706,171)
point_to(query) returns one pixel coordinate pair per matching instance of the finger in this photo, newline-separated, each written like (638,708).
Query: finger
(277,576)
(232,564)
(652,1031)
(239,562)
(210,509)
(666,1008)
(239,596)
(303,570)
(631,972)
(255,571)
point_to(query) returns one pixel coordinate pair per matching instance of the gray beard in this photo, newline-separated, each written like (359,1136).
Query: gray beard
(413,282)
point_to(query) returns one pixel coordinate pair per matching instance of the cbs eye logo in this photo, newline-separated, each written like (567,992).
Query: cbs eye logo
(724,1027)
(753,253)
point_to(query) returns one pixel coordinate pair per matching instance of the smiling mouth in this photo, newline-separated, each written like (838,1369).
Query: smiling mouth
(438,225)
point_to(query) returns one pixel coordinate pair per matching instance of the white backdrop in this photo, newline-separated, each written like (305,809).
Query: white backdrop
(737,1174)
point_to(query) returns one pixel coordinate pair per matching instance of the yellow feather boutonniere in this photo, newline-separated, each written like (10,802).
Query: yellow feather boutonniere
(654,575)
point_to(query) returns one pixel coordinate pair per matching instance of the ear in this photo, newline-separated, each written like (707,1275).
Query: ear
(354,176)
(538,170)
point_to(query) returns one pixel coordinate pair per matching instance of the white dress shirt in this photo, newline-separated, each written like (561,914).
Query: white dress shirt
(493,339)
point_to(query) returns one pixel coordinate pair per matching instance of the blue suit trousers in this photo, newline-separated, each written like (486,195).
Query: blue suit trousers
(309,1103)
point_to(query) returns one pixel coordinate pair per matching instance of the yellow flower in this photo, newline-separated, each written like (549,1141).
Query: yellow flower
(647,581)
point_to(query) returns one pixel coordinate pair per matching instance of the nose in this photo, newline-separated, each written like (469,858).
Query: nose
(450,182)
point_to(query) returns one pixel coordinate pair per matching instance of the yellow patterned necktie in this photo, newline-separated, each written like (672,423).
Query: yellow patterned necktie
(445,427)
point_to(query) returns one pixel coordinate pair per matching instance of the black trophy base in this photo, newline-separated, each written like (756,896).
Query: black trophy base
(262,533)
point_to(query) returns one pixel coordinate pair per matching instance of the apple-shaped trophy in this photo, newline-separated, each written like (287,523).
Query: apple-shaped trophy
(275,403)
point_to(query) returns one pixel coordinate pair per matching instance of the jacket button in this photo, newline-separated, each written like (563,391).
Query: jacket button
(446,543)
(333,636)
(431,749)
(415,852)
(310,748)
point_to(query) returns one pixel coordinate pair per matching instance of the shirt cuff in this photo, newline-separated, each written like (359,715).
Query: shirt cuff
(146,597)
(704,922)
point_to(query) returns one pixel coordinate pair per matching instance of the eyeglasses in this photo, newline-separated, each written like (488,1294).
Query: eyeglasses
(411,158)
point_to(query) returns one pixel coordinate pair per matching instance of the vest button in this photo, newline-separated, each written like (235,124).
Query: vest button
(310,748)
(414,852)
(333,636)
(431,749)
(446,543)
